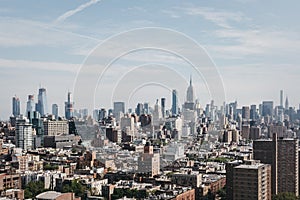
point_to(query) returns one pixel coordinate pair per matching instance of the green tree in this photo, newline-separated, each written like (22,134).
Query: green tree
(75,187)
(222,193)
(285,196)
(34,188)
(50,167)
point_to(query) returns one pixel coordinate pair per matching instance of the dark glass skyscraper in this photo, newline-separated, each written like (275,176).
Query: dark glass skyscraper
(119,107)
(55,110)
(69,107)
(139,109)
(174,103)
(163,107)
(16,106)
(267,108)
(41,106)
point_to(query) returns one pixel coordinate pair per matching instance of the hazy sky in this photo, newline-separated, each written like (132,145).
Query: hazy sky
(255,46)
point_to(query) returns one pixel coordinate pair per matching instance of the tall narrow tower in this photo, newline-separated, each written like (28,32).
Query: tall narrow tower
(16,106)
(69,107)
(287,103)
(41,106)
(281,98)
(174,103)
(163,107)
(190,92)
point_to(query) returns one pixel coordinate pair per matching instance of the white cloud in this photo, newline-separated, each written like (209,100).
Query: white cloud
(70,13)
(220,18)
(256,42)
(20,32)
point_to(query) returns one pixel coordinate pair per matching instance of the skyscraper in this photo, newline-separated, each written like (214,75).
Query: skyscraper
(96,114)
(146,108)
(55,110)
(156,114)
(42,106)
(281,98)
(30,105)
(163,107)
(190,92)
(246,112)
(102,114)
(253,112)
(189,104)
(287,103)
(174,103)
(267,108)
(69,107)
(15,106)
(119,107)
(139,109)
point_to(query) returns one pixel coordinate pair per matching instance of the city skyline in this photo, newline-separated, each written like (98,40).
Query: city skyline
(266,107)
(255,54)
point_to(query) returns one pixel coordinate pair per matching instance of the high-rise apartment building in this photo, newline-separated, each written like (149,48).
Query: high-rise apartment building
(282,155)
(56,127)
(24,137)
(149,162)
(229,177)
(288,166)
(42,106)
(15,106)
(252,182)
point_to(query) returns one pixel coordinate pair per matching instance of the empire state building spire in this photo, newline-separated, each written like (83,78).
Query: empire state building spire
(190,92)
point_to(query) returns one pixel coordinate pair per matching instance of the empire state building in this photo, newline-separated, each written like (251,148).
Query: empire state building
(190,92)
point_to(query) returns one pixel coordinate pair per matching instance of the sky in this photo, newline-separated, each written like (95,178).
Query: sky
(139,50)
